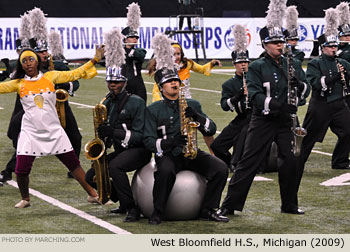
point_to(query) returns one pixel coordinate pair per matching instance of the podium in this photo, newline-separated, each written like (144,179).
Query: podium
(197,31)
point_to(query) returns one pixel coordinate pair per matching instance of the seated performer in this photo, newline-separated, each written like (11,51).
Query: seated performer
(41,131)
(162,135)
(123,128)
(186,66)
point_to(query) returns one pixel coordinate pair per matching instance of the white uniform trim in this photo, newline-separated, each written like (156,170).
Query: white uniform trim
(323,84)
(304,91)
(266,110)
(70,91)
(228,101)
(159,148)
(206,125)
(126,140)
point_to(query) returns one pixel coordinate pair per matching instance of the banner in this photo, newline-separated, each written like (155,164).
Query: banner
(80,35)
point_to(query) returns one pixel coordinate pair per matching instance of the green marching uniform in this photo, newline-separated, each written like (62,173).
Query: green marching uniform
(162,123)
(234,133)
(344,52)
(125,117)
(327,108)
(267,89)
(134,60)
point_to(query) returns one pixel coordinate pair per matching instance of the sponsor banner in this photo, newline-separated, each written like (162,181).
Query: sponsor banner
(80,35)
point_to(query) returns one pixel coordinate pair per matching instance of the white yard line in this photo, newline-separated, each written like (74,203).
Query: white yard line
(81,214)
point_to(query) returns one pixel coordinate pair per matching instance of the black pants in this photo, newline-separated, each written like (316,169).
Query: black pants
(263,130)
(119,164)
(321,115)
(212,168)
(137,86)
(229,137)
(14,129)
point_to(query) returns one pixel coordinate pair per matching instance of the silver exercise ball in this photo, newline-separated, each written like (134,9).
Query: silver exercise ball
(184,201)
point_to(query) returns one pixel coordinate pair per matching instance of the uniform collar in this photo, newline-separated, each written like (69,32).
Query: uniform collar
(38,77)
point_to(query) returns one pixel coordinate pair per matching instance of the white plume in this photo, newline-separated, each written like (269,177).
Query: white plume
(24,29)
(292,18)
(275,13)
(114,49)
(343,13)
(133,16)
(38,24)
(240,38)
(331,18)
(163,51)
(55,43)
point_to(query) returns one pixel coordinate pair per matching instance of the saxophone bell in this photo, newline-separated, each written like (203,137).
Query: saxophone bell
(61,96)
(95,150)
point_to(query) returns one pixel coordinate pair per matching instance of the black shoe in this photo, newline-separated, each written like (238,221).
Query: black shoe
(133,215)
(293,211)
(224,211)
(70,175)
(5,176)
(155,219)
(212,215)
(118,210)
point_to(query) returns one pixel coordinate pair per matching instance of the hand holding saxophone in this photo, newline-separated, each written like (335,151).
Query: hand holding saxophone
(190,112)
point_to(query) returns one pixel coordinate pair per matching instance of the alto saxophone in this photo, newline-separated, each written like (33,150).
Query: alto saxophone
(188,128)
(95,150)
(61,96)
(298,132)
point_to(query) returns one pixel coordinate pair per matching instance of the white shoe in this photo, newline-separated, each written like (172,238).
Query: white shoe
(22,204)
(93,200)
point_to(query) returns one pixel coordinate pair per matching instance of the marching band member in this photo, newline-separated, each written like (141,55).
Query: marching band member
(185,66)
(291,32)
(124,127)
(235,98)
(41,132)
(271,117)
(162,135)
(134,56)
(329,78)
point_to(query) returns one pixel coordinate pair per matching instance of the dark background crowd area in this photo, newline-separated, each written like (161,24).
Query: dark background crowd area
(151,8)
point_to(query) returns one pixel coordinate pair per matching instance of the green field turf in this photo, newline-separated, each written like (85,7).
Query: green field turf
(327,208)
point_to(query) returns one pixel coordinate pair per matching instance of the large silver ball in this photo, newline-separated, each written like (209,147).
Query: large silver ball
(184,201)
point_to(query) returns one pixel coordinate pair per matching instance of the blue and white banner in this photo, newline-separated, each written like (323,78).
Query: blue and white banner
(80,35)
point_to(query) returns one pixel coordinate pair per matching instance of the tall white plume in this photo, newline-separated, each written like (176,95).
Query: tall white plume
(133,16)
(163,51)
(343,13)
(55,43)
(24,29)
(240,38)
(114,49)
(292,18)
(38,24)
(331,26)
(275,13)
